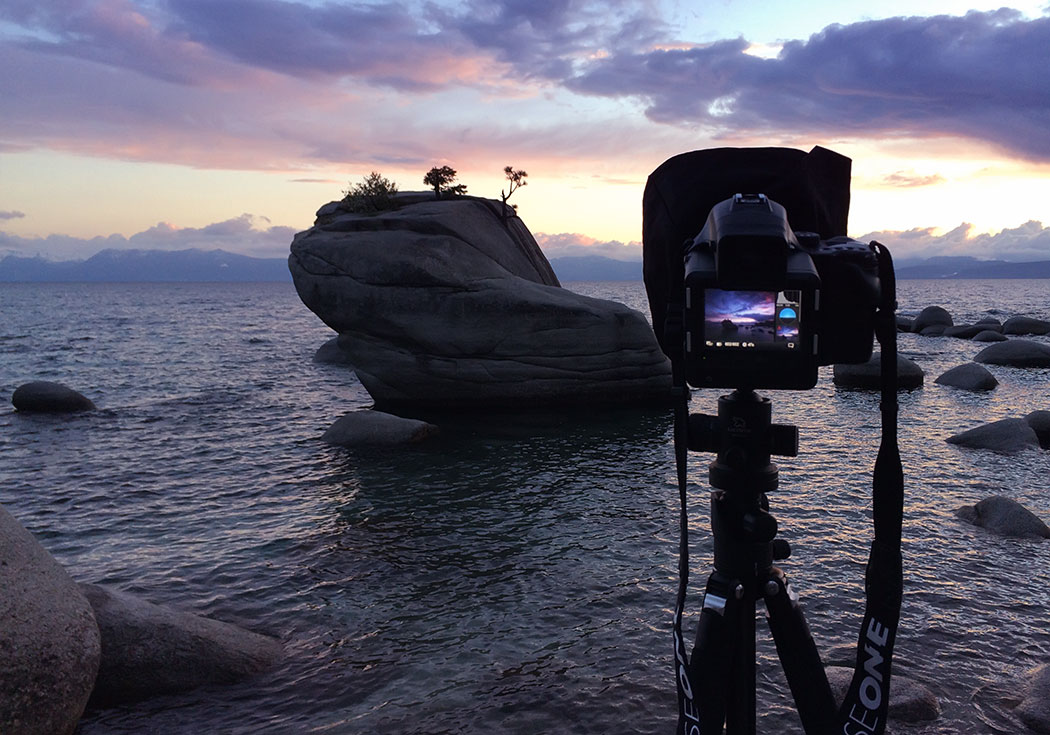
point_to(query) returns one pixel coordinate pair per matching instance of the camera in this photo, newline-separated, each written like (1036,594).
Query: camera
(765,306)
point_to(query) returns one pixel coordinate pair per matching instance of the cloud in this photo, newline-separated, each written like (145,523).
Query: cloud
(573,244)
(247,235)
(980,76)
(1027,242)
(910,180)
(12,214)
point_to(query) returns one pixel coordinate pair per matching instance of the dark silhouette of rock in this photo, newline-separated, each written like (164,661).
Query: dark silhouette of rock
(1021,353)
(904,323)
(1007,435)
(989,335)
(1040,423)
(991,323)
(1025,325)
(932,316)
(964,331)
(49,642)
(446,307)
(868,375)
(1034,708)
(367,427)
(969,376)
(910,701)
(1004,516)
(148,650)
(42,396)
(934,330)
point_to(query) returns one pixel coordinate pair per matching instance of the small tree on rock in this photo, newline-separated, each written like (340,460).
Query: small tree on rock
(441,180)
(517,180)
(374,194)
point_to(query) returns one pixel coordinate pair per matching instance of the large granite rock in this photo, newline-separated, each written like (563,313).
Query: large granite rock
(49,642)
(1021,353)
(1025,325)
(148,649)
(42,396)
(444,305)
(1004,516)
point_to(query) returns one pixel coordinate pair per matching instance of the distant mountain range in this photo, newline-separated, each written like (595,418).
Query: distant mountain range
(119,266)
(221,266)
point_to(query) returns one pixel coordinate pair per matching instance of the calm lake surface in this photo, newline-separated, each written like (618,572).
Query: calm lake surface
(513,576)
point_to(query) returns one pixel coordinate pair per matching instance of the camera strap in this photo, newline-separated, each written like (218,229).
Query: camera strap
(866,703)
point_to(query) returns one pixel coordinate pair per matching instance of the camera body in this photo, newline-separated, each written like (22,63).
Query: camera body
(765,306)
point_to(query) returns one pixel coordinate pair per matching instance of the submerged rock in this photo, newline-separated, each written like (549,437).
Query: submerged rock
(49,642)
(447,306)
(1021,353)
(1007,435)
(1034,708)
(969,376)
(42,396)
(1004,516)
(868,375)
(367,427)
(910,701)
(148,649)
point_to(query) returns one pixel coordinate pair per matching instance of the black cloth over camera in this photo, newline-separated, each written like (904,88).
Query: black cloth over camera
(813,187)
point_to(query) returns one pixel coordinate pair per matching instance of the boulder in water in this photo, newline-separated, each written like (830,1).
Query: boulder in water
(1007,435)
(932,316)
(449,306)
(1040,423)
(969,376)
(989,335)
(868,375)
(42,396)
(1021,353)
(370,428)
(1004,516)
(1025,325)
(964,331)
(49,642)
(148,649)
(332,352)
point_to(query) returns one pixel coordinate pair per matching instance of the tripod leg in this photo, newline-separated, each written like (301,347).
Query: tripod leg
(715,653)
(799,657)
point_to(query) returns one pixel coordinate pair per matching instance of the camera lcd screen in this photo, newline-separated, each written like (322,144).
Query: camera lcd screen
(763,320)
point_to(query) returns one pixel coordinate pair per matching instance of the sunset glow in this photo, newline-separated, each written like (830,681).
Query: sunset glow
(123,115)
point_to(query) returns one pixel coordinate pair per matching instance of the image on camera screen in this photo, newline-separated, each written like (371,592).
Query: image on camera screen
(745,319)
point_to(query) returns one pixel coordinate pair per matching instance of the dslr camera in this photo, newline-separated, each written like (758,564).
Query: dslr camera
(765,306)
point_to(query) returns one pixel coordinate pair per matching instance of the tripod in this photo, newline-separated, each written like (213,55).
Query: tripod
(722,665)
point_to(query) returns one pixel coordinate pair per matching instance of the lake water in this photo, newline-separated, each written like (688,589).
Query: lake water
(512,576)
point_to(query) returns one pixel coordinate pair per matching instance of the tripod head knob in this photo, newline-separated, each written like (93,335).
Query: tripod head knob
(759,526)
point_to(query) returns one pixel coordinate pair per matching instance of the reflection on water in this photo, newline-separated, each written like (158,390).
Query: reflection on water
(514,575)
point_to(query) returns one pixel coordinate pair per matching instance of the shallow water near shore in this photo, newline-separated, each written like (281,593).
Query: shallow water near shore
(516,575)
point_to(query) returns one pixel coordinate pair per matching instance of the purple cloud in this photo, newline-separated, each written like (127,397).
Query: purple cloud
(12,214)
(1027,242)
(979,76)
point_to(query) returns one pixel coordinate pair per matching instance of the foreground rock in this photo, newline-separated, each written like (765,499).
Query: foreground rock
(1007,435)
(910,701)
(446,306)
(148,650)
(49,643)
(1004,516)
(969,376)
(1034,709)
(1020,353)
(868,375)
(372,428)
(43,396)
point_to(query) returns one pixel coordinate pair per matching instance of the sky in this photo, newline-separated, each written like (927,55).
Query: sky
(227,123)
